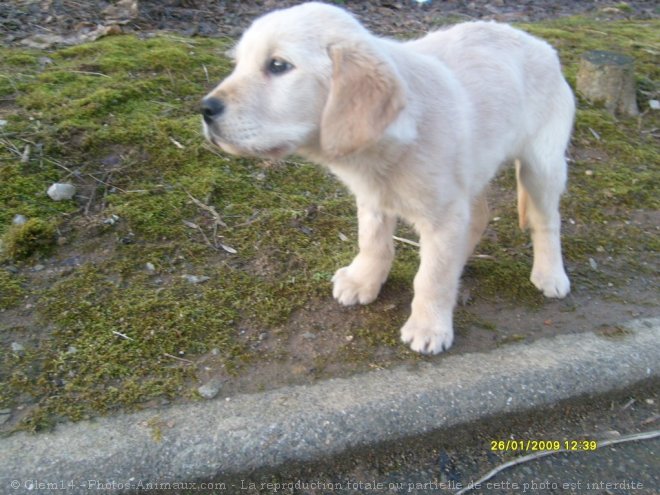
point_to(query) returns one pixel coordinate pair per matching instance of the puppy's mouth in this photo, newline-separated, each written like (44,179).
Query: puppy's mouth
(273,153)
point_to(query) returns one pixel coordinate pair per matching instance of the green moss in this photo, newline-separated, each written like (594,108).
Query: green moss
(11,290)
(35,236)
(506,279)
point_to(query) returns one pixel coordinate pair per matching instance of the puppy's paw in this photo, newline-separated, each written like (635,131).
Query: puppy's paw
(349,288)
(427,338)
(552,284)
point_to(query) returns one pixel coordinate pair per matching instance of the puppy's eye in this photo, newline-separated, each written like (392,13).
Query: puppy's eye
(278,66)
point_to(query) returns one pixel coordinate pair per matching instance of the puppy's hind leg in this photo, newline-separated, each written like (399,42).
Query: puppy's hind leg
(541,181)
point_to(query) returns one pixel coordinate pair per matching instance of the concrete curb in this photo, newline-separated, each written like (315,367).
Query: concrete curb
(211,439)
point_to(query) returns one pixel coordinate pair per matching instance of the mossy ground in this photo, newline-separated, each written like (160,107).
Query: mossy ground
(110,319)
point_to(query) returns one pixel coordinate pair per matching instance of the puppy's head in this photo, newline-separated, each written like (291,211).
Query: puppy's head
(306,77)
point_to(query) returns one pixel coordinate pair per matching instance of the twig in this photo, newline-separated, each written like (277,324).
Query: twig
(208,241)
(11,147)
(187,361)
(482,257)
(108,185)
(249,221)
(208,208)
(177,143)
(59,164)
(208,147)
(124,336)
(87,73)
(405,241)
(648,435)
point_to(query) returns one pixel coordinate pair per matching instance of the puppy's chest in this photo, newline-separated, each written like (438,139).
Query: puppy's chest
(388,190)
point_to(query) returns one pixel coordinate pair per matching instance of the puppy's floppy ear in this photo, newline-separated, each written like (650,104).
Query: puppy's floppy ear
(365,98)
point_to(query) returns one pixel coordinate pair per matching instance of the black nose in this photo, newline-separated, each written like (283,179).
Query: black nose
(212,108)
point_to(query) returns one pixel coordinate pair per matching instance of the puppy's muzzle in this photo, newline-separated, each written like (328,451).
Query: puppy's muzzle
(211,109)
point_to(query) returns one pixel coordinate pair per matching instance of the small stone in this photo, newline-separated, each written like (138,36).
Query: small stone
(194,279)
(588,173)
(3,123)
(17,348)
(210,389)
(263,336)
(215,351)
(72,349)
(308,336)
(593,264)
(609,435)
(349,338)
(111,220)
(654,104)
(38,268)
(649,401)
(19,219)
(150,267)
(61,192)
(44,61)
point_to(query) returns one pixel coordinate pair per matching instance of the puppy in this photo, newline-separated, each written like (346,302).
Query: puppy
(415,130)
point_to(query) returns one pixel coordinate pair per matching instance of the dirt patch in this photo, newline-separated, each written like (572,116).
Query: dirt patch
(20,20)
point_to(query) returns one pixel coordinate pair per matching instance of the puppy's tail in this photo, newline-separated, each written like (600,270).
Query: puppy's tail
(522,199)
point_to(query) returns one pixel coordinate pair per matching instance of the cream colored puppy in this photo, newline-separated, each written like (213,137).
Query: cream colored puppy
(416,130)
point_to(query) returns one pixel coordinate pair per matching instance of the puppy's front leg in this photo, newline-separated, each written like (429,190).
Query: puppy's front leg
(360,281)
(429,328)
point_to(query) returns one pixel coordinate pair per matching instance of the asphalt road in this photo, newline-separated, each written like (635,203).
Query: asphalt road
(449,462)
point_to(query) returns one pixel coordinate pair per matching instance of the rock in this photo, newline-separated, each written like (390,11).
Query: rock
(122,11)
(210,389)
(3,122)
(194,279)
(150,267)
(608,77)
(19,220)
(17,348)
(654,104)
(61,192)
(111,220)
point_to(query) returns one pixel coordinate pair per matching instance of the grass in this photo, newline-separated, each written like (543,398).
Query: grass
(118,323)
